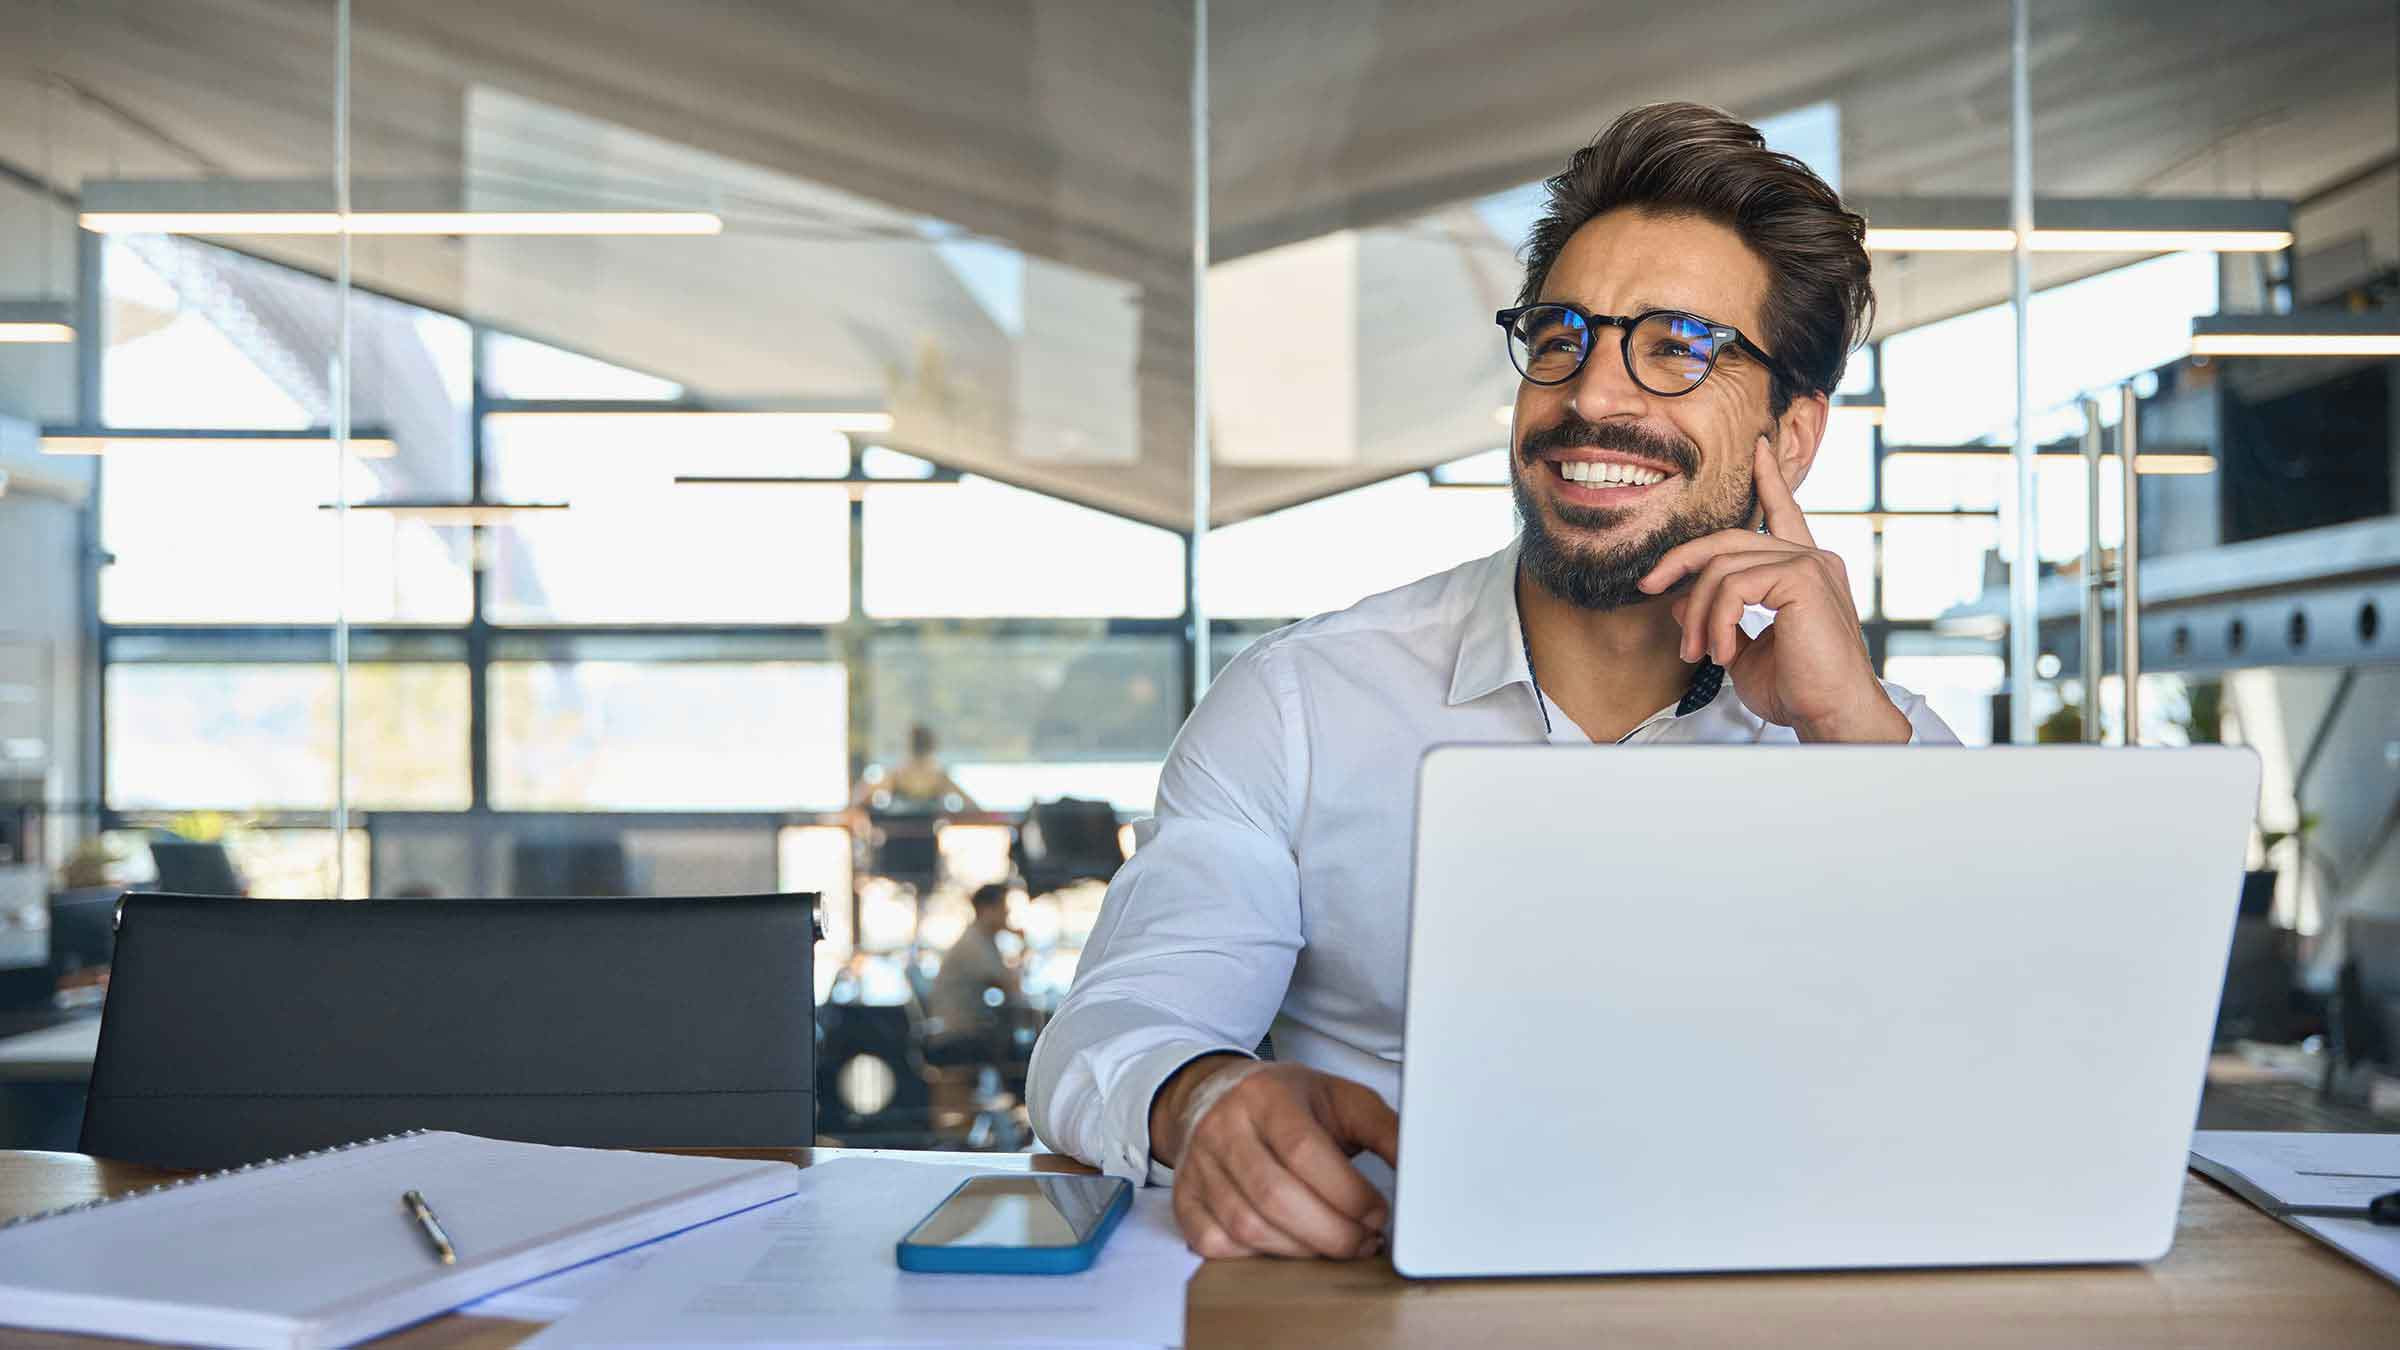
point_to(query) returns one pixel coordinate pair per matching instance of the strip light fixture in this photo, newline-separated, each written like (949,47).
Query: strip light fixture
(695,419)
(857,487)
(365,442)
(455,513)
(306,207)
(1867,408)
(36,321)
(2321,332)
(2144,461)
(2078,224)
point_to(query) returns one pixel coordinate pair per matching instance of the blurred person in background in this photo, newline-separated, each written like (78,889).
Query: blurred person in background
(974,966)
(918,784)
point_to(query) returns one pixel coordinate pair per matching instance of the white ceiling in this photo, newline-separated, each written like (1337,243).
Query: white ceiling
(841,138)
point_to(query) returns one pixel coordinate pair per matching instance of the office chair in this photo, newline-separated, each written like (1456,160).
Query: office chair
(872,1084)
(904,847)
(1066,841)
(2364,1017)
(237,1031)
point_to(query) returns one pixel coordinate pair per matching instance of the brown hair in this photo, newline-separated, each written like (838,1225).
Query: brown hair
(1688,159)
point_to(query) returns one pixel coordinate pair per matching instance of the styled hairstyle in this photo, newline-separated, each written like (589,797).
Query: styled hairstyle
(986,896)
(920,740)
(1685,159)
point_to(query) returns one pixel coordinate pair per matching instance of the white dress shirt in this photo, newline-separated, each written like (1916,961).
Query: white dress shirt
(1274,893)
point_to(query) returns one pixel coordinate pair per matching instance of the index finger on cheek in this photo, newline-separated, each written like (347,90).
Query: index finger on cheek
(1776,503)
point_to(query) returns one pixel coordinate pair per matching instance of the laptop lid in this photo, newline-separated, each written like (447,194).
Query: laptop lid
(1755,1008)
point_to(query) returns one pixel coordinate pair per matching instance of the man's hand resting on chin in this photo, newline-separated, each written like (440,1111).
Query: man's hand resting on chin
(1262,1153)
(1809,670)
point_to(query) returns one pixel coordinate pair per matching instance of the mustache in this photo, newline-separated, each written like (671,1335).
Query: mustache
(1574,433)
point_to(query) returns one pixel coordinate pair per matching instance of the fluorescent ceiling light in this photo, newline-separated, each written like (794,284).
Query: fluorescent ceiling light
(367,444)
(2295,344)
(36,321)
(2145,462)
(455,513)
(1892,240)
(2163,461)
(2078,241)
(857,487)
(2160,241)
(378,207)
(405,222)
(2078,224)
(702,419)
(2300,333)
(1878,519)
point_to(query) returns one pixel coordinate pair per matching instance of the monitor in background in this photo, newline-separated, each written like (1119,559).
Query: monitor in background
(83,928)
(189,868)
(545,869)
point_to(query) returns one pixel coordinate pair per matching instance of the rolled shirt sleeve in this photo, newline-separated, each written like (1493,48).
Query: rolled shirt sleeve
(1194,947)
(1925,726)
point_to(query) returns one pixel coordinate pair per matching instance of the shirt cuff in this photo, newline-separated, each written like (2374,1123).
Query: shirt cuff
(1129,1106)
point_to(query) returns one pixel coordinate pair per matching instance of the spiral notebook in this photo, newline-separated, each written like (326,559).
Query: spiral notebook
(317,1249)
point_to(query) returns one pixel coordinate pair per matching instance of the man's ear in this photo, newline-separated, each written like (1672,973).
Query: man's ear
(1799,433)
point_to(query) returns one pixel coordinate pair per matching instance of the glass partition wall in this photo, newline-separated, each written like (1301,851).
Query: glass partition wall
(742,413)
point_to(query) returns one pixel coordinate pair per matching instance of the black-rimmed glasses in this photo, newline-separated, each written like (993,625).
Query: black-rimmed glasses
(1667,351)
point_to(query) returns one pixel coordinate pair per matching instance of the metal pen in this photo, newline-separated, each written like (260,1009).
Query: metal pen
(415,1206)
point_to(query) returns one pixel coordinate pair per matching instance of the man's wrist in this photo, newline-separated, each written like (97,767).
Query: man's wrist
(1170,1104)
(1875,721)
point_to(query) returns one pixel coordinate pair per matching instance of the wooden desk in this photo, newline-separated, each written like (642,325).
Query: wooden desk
(2236,1279)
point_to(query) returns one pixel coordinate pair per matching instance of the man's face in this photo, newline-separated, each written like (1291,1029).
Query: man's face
(1589,544)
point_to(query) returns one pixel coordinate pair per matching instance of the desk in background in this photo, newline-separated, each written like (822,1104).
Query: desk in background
(2235,1279)
(43,1075)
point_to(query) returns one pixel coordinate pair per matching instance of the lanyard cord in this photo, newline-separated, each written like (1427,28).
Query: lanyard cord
(1707,678)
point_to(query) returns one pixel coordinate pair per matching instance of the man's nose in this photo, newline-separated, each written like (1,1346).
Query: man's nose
(1602,388)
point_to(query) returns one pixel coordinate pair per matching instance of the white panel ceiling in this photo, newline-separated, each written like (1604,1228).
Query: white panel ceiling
(975,213)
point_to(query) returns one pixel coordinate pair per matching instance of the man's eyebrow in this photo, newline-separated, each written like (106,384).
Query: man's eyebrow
(1637,305)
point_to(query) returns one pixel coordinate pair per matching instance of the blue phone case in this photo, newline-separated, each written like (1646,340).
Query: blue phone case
(1016,1260)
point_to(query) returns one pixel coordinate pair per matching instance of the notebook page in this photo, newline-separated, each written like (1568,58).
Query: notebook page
(304,1238)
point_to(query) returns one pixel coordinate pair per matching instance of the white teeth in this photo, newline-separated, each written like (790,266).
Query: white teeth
(1607,472)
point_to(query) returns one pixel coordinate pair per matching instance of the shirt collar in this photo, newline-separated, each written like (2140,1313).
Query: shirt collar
(1491,647)
(1490,654)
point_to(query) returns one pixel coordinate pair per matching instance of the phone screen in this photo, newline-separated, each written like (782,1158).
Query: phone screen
(1027,1211)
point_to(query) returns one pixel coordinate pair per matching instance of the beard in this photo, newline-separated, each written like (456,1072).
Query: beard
(1603,577)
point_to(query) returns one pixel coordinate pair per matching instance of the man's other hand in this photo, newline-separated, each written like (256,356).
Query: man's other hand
(1262,1153)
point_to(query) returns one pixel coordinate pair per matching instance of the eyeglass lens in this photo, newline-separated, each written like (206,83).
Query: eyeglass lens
(1666,353)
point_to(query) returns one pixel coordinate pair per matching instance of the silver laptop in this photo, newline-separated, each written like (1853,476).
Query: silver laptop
(1768,1008)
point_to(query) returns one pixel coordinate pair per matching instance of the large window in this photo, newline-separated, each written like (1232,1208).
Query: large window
(206,529)
(980,549)
(635,546)
(1328,554)
(628,736)
(1025,718)
(234,736)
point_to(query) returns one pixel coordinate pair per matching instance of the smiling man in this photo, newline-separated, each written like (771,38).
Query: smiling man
(1690,298)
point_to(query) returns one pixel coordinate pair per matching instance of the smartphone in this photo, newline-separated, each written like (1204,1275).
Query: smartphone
(1020,1224)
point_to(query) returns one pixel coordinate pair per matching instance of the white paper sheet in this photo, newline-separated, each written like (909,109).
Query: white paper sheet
(554,1296)
(2306,1169)
(2376,1248)
(819,1269)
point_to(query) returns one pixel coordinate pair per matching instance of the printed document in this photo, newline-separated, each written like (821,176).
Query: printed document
(819,1269)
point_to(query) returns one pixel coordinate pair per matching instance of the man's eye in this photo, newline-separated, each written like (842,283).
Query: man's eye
(1562,343)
